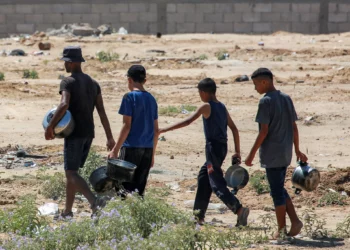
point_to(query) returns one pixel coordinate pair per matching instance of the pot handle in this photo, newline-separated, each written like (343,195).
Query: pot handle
(234,191)
(235,161)
(297,191)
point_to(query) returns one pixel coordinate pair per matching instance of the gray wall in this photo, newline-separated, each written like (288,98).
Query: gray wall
(179,16)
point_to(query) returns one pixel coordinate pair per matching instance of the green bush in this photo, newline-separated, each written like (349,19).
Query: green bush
(30,74)
(2,76)
(259,182)
(221,55)
(93,161)
(170,110)
(202,57)
(23,220)
(54,186)
(332,198)
(103,56)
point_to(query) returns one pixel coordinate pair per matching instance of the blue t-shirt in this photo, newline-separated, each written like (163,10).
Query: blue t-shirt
(143,109)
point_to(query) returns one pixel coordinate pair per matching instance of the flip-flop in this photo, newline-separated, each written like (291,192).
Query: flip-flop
(63,216)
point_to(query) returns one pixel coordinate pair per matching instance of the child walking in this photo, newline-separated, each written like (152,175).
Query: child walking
(277,133)
(139,134)
(210,178)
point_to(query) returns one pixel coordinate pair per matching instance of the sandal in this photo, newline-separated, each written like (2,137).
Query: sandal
(63,215)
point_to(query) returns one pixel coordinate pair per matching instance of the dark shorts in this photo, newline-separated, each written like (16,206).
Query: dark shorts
(142,158)
(276,178)
(76,151)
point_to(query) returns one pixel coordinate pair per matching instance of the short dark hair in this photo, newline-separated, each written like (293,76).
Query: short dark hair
(207,85)
(137,73)
(262,72)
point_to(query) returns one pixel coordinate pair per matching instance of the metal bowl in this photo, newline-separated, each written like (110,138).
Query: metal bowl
(100,181)
(236,177)
(121,171)
(64,127)
(305,178)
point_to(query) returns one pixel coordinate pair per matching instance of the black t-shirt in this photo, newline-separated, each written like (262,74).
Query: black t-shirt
(83,94)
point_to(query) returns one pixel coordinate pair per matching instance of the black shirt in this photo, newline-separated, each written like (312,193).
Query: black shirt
(83,94)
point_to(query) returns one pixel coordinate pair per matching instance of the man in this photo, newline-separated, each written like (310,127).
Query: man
(80,94)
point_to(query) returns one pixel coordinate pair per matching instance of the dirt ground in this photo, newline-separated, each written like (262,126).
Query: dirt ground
(313,70)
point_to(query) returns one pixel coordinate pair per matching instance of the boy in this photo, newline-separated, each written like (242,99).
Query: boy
(139,134)
(80,95)
(277,133)
(210,178)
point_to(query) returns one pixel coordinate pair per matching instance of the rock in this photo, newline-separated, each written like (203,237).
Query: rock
(216,220)
(156,51)
(174,186)
(172,157)
(39,34)
(224,82)
(189,203)
(299,81)
(105,29)
(122,31)
(44,46)
(242,78)
(17,52)
(193,187)
(237,47)
(159,35)
(83,31)
(309,118)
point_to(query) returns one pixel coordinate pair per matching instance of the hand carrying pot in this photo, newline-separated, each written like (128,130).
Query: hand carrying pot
(120,171)
(305,178)
(64,127)
(236,177)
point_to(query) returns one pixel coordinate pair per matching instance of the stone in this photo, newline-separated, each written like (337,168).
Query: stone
(84,30)
(105,29)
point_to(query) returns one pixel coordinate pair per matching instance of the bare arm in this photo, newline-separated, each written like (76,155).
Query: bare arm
(300,155)
(60,111)
(105,122)
(235,134)
(264,130)
(203,110)
(124,132)
(155,139)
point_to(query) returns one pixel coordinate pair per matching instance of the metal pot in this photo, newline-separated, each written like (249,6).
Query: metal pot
(64,127)
(121,171)
(236,177)
(100,181)
(305,178)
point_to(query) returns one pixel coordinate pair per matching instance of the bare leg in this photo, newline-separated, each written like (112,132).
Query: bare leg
(75,183)
(281,220)
(297,225)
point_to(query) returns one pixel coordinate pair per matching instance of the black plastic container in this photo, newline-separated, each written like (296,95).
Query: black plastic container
(120,171)
(100,181)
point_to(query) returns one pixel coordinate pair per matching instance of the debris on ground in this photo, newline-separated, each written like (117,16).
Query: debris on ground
(122,31)
(17,52)
(76,29)
(44,46)
(242,78)
(48,209)
(162,138)
(224,82)
(156,51)
(105,29)
(172,157)
(174,186)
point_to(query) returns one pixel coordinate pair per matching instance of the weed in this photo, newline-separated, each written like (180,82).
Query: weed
(189,108)
(103,56)
(45,62)
(343,228)
(23,220)
(93,161)
(259,182)
(54,186)
(313,226)
(30,74)
(221,55)
(332,198)
(202,57)
(170,110)
(278,59)
(2,76)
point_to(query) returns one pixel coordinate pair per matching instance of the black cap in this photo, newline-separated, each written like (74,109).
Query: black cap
(262,72)
(72,54)
(137,73)
(207,85)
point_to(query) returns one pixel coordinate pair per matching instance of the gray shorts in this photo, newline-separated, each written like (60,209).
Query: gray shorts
(76,151)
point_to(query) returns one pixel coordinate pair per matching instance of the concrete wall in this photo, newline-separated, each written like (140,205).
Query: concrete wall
(180,16)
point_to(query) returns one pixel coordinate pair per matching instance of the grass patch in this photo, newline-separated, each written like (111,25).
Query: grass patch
(220,55)
(313,226)
(259,182)
(2,76)
(103,56)
(30,74)
(170,110)
(343,228)
(202,57)
(332,198)
(190,108)
(54,186)
(93,161)
(45,62)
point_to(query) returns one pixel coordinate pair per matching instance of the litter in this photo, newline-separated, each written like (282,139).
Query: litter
(44,46)
(242,78)
(38,53)
(162,139)
(261,43)
(156,51)
(48,209)
(29,164)
(343,193)
(211,206)
(174,186)
(122,31)
(17,52)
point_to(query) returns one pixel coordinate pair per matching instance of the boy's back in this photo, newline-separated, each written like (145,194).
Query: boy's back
(215,126)
(143,109)
(277,110)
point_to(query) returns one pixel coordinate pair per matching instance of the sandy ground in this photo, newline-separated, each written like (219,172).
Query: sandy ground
(313,70)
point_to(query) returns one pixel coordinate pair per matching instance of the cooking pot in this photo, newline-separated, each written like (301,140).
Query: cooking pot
(236,177)
(100,181)
(305,178)
(120,171)
(64,127)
